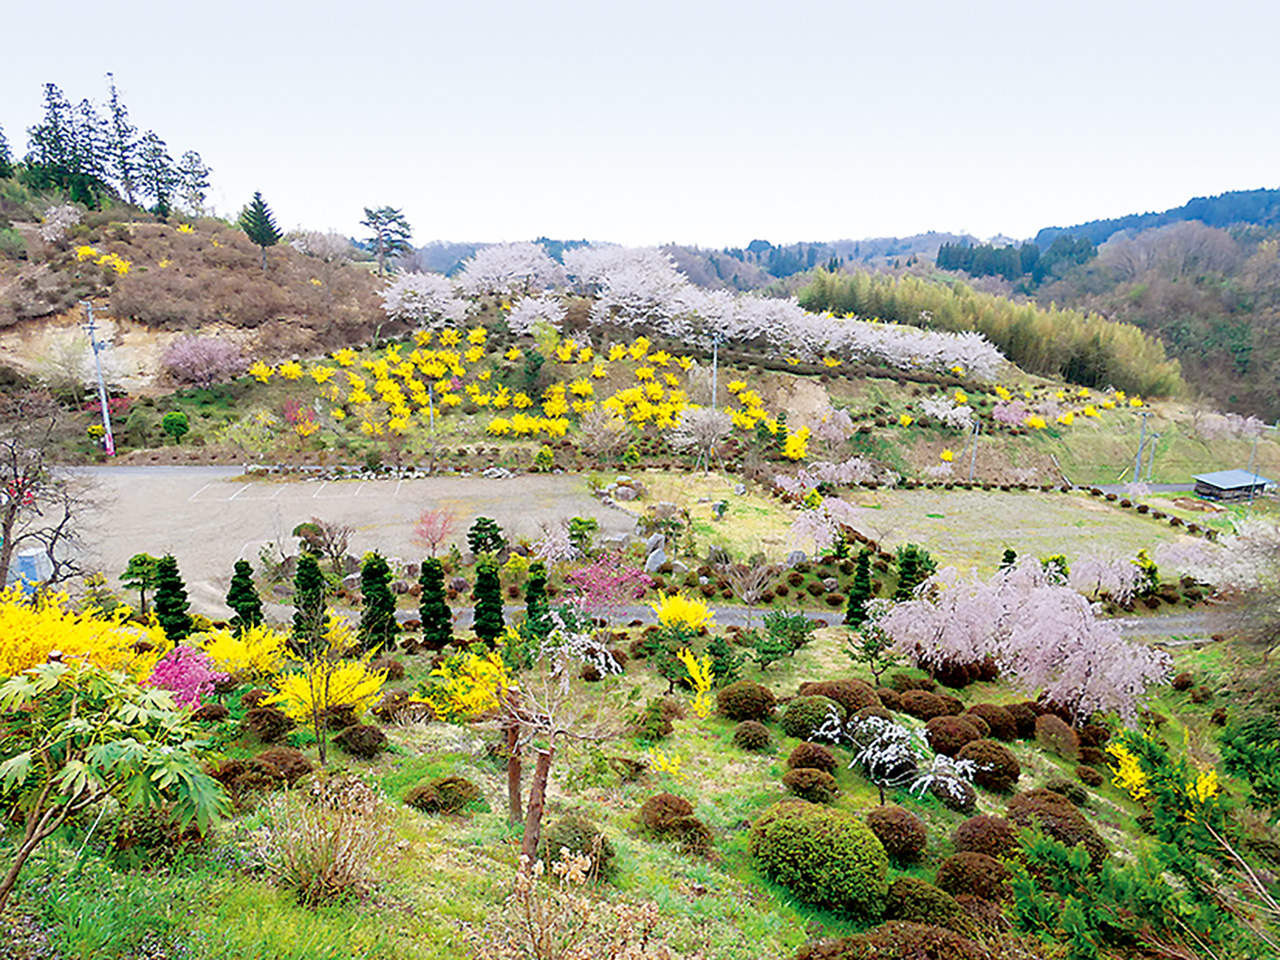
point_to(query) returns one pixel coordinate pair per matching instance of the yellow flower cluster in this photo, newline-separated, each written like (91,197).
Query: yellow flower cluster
(114,261)
(327,684)
(663,763)
(796,446)
(700,676)
(258,652)
(29,633)
(678,611)
(470,685)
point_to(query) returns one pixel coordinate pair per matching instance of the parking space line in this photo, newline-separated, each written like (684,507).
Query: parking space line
(200,491)
(238,492)
(399,484)
(323,484)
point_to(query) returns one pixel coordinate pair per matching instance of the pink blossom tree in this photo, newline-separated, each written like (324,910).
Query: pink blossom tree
(188,674)
(607,584)
(202,361)
(433,528)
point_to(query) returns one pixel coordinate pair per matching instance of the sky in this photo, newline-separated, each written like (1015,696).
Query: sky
(697,122)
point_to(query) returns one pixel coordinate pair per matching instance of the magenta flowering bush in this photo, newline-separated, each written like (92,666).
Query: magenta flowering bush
(188,674)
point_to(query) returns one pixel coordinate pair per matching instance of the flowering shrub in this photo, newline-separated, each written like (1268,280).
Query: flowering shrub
(254,653)
(187,673)
(676,611)
(202,361)
(30,632)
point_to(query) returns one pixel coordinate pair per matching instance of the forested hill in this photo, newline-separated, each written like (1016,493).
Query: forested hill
(1260,207)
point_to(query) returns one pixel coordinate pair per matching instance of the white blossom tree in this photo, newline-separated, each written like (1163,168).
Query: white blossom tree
(509,268)
(422,299)
(1045,636)
(528,312)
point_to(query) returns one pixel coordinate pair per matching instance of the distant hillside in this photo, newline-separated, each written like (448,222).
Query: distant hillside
(1260,207)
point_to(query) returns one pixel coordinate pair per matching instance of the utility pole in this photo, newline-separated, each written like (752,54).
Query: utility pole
(108,441)
(1142,442)
(973,457)
(1252,455)
(1151,460)
(715,367)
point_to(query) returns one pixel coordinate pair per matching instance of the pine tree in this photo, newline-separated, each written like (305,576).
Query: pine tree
(485,536)
(488,624)
(859,592)
(258,223)
(170,601)
(1009,559)
(310,619)
(378,625)
(121,143)
(726,663)
(6,157)
(140,575)
(536,605)
(391,233)
(243,598)
(433,609)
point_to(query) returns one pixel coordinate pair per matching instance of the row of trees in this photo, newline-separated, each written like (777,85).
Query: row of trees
(94,157)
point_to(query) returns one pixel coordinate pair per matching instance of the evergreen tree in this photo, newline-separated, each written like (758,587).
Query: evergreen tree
(192,182)
(726,663)
(310,619)
(61,149)
(259,224)
(908,574)
(859,592)
(121,143)
(488,623)
(485,536)
(433,609)
(536,605)
(170,602)
(390,231)
(140,575)
(6,157)
(1009,558)
(243,598)
(378,625)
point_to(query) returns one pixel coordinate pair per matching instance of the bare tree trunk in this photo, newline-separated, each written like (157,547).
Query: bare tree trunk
(515,806)
(537,799)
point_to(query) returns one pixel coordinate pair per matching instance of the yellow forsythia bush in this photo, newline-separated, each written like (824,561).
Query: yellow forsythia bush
(29,632)
(257,652)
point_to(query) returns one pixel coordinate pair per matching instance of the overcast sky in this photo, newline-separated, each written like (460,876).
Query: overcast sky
(702,122)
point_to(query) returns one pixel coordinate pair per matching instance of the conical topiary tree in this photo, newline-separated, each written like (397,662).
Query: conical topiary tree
(310,619)
(860,592)
(1008,559)
(378,625)
(536,605)
(243,598)
(485,536)
(170,600)
(488,624)
(433,608)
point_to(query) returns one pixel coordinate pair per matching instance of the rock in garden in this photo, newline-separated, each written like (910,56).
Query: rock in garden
(655,542)
(796,556)
(624,493)
(656,559)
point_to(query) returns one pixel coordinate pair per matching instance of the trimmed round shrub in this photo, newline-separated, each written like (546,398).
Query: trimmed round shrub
(577,835)
(804,715)
(1058,817)
(254,697)
(268,724)
(955,794)
(954,705)
(807,783)
(659,812)
(1098,759)
(902,682)
(996,768)
(880,712)
(812,755)
(1093,735)
(978,724)
(948,734)
(1000,722)
(993,836)
(825,856)
(1089,775)
(443,795)
(751,735)
(1024,718)
(976,874)
(362,740)
(210,713)
(890,699)
(745,700)
(924,705)
(393,668)
(853,695)
(1053,734)
(288,764)
(670,817)
(919,901)
(900,832)
(897,940)
(1070,789)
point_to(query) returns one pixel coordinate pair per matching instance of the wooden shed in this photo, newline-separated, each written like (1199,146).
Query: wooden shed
(1231,485)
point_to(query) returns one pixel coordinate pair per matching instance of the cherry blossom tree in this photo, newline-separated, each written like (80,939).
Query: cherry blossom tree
(702,430)
(1094,576)
(422,299)
(202,361)
(433,528)
(508,268)
(1046,637)
(528,312)
(948,412)
(604,586)
(329,247)
(555,545)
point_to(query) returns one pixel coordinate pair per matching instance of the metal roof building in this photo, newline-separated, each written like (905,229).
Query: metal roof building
(1231,485)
